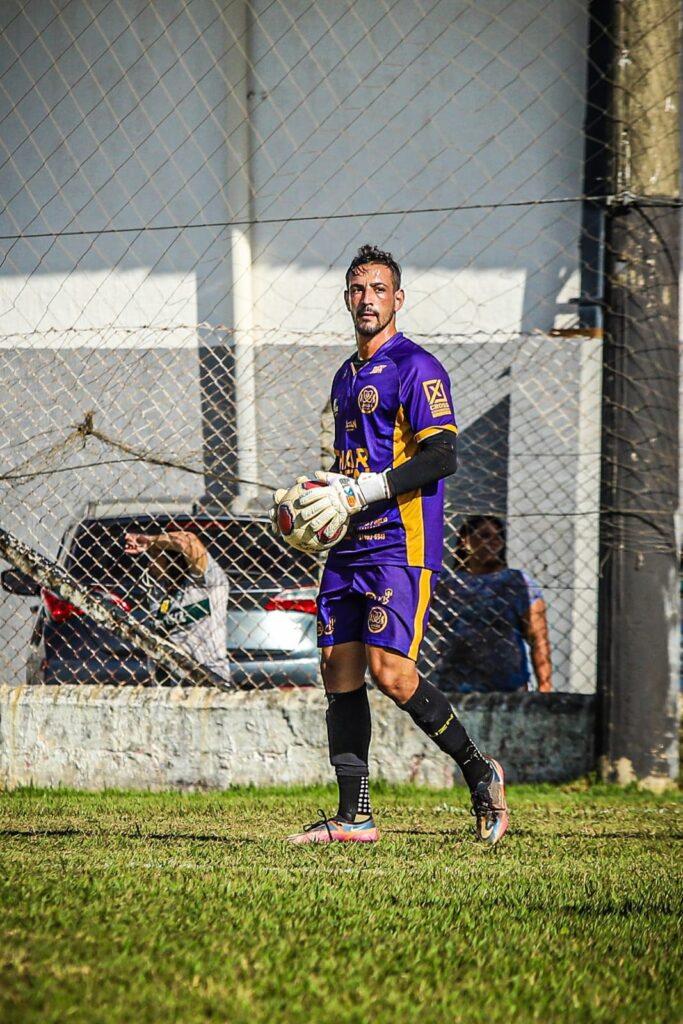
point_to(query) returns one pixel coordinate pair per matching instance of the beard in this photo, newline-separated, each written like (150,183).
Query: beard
(369,328)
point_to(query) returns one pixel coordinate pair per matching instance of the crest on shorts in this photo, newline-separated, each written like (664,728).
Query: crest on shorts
(368,399)
(377,619)
(326,629)
(435,392)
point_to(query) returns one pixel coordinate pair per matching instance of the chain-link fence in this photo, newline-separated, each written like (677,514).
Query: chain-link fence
(185,185)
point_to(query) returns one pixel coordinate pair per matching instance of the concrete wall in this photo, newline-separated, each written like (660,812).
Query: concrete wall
(99,737)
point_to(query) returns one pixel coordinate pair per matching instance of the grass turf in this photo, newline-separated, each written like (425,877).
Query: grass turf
(168,907)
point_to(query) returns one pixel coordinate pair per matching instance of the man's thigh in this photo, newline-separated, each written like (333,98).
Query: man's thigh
(381,606)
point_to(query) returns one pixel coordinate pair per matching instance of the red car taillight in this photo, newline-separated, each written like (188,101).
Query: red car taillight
(292,601)
(57,608)
(60,610)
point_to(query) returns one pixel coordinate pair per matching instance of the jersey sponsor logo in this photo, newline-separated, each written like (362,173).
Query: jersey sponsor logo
(354,461)
(368,399)
(435,392)
(374,523)
(377,620)
(378,368)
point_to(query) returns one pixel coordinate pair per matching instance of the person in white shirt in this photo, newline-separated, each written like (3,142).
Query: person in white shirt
(188,595)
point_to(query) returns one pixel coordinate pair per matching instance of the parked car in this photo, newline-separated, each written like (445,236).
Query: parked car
(271,637)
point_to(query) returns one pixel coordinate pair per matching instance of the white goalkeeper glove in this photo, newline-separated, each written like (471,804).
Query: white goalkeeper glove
(278,495)
(330,507)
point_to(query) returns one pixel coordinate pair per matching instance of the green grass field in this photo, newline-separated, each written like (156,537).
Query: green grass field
(165,907)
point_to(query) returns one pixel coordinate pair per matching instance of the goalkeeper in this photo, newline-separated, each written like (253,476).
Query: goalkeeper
(394,443)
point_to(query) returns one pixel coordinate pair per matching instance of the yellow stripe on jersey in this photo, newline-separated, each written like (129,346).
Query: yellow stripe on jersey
(424,593)
(410,503)
(430,431)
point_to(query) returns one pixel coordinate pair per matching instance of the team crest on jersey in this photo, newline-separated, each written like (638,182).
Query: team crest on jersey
(368,399)
(377,619)
(435,393)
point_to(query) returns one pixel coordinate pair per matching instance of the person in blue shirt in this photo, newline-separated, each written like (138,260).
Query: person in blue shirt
(487,616)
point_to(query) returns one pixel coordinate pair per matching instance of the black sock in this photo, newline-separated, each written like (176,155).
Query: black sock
(348,734)
(432,713)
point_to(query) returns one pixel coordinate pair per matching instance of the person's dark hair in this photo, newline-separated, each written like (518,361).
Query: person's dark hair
(371,254)
(470,526)
(175,571)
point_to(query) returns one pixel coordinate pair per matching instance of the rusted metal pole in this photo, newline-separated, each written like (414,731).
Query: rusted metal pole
(639,589)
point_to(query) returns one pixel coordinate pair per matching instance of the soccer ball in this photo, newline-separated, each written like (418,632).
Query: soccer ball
(296,531)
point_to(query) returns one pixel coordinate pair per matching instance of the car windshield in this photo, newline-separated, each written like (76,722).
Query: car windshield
(245,548)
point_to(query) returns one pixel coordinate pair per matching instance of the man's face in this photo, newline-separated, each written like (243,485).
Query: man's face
(371,299)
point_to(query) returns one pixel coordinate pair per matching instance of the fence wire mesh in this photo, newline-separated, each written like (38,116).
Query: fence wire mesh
(185,186)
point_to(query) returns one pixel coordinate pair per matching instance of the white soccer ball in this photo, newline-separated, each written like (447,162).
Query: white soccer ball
(298,533)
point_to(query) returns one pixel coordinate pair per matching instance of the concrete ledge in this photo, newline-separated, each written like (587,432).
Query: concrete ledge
(94,737)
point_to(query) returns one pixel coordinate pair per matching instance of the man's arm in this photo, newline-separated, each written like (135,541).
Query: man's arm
(188,544)
(345,497)
(535,629)
(436,458)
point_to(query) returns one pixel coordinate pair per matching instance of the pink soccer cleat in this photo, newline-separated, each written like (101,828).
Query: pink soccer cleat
(332,830)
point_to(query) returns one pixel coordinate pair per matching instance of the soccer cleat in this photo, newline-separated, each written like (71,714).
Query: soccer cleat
(332,830)
(489,806)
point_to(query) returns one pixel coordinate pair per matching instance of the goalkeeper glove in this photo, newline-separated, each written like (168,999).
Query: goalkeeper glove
(278,495)
(331,506)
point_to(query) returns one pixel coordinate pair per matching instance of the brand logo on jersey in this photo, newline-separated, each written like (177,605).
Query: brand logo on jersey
(368,399)
(435,392)
(351,425)
(377,620)
(335,407)
(378,368)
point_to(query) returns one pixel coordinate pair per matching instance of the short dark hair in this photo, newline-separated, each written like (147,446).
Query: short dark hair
(371,254)
(470,526)
(175,567)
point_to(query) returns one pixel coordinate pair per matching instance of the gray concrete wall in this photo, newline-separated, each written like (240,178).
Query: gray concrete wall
(98,737)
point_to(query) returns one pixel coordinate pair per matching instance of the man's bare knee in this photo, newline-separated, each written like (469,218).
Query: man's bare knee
(343,667)
(394,676)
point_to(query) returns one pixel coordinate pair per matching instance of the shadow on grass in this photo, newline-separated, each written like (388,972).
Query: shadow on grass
(161,836)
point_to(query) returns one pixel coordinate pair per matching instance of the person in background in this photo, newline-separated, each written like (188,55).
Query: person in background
(187,595)
(487,613)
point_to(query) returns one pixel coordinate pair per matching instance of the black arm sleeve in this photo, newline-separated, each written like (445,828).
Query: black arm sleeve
(436,457)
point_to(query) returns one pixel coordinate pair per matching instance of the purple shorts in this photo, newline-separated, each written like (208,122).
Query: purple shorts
(383,605)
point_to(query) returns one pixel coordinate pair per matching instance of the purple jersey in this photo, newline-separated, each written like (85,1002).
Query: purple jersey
(382,409)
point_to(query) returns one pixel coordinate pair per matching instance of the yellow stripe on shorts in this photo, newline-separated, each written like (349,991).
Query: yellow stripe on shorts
(422,605)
